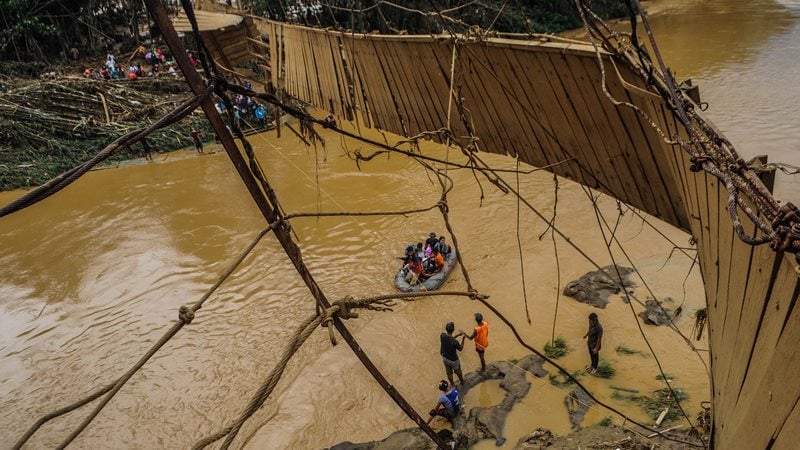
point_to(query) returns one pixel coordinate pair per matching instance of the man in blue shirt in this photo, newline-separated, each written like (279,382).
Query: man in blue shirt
(448,404)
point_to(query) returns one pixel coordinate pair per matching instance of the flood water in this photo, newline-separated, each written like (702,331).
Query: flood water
(95,275)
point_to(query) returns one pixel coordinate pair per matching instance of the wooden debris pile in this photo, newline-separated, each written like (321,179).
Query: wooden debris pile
(48,126)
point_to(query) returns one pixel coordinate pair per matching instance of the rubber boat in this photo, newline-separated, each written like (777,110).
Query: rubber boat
(431,283)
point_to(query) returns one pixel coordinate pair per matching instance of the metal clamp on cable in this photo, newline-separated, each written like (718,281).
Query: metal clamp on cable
(697,162)
(185,315)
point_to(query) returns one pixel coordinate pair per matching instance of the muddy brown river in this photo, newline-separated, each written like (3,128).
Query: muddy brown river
(93,276)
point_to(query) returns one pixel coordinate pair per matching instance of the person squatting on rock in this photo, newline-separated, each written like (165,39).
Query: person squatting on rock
(449,350)
(481,336)
(448,404)
(595,335)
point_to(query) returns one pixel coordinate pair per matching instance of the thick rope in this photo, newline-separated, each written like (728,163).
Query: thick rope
(519,248)
(185,316)
(607,243)
(300,335)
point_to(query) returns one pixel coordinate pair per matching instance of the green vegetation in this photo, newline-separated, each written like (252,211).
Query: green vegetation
(622,350)
(518,17)
(606,422)
(654,404)
(605,370)
(666,375)
(557,348)
(561,380)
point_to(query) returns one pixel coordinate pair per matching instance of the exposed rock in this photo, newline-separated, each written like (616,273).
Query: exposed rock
(595,287)
(656,314)
(411,439)
(540,438)
(480,423)
(577,402)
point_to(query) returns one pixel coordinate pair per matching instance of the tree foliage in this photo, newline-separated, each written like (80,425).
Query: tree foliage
(44,29)
(418,16)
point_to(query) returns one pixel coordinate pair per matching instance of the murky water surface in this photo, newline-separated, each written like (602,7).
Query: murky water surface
(92,277)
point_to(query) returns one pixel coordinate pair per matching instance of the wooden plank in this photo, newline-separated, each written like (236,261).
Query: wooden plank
(667,197)
(724,304)
(563,138)
(768,396)
(436,94)
(345,100)
(533,108)
(485,117)
(499,93)
(596,123)
(396,88)
(324,68)
(631,192)
(786,436)
(376,85)
(532,150)
(412,97)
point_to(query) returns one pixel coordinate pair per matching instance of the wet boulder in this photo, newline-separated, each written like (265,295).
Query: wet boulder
(577,403)
(595,287)
(656,313)
(540,438)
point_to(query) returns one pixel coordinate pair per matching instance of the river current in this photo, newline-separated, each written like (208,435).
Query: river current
(93,276)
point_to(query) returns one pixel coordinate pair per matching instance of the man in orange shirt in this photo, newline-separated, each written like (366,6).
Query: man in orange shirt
(481,337)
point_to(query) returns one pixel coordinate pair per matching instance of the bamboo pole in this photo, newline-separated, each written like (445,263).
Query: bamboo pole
(269,210)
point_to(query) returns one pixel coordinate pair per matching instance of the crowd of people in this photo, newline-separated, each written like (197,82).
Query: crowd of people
(245,108)
(449,405)
(423,261)
(156,62)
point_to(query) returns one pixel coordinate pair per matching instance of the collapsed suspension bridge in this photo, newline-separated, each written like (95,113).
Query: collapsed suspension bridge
(602,114)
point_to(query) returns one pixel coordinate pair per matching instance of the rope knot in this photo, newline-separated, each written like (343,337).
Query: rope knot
(346,308)
(443,206)
(787,215)
(697,162)
(329,122)
(474,295)
(786,239)
(327,321)
(185,315)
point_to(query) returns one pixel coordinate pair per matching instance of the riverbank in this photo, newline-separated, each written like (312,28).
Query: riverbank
(50,125)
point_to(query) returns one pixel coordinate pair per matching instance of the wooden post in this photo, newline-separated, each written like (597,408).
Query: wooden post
(269,209)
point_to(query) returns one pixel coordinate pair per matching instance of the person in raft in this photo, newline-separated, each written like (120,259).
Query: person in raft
(481,336)
(594,342)
(449,349)
(448,404)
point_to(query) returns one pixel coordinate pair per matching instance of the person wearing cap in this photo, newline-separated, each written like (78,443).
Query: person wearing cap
(448,404)
(449,349)
(594,342)
(481,336)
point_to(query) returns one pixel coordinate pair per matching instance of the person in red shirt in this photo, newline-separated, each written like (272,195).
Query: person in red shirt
(481,336)
(413,270)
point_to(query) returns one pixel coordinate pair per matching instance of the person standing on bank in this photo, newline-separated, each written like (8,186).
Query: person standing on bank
(481,337)
(449,350)
(595,335)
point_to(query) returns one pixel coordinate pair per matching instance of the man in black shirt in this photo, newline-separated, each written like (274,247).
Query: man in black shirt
(449,350)
(595,335)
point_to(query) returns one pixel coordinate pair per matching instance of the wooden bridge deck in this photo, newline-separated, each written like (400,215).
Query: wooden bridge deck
(544,101)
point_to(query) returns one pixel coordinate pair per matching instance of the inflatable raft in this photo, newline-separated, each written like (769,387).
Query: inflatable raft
(431,283)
